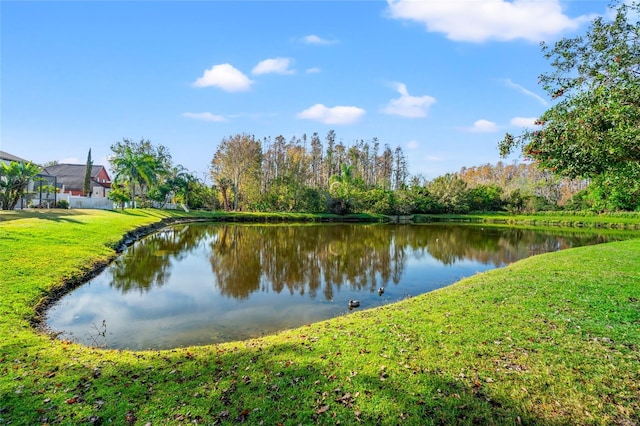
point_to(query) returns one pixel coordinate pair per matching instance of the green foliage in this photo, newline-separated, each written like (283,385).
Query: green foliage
(345,184)
(515,202)
(119,195)
(593,131)
(312,200)
(450,193)
(579,202)
(14,180)
(202,197)
(139,166)
(611,192)
(536,203)
(339,206)
(236,166)
(62,204)
(388,202)
(539,342)
(86,184)
(286,196)
(379,201)
(486,198)
(423,201)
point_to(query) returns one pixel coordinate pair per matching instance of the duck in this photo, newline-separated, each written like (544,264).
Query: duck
(354,303)
(380,291)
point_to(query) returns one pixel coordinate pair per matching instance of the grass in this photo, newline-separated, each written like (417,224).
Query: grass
(553,339)
(626,220)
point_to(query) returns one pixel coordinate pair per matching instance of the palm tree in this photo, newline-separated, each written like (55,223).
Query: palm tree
(14,179)
(343,182)
(178,181)
(133,168)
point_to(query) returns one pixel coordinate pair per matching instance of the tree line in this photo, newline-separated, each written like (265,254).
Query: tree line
(303,174)
(324,176)
(583,153)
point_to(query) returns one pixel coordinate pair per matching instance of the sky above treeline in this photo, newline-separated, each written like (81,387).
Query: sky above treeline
(443,79)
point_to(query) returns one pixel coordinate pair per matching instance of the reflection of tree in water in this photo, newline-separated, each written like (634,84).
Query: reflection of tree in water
(321,259)
(496,246)
(235,260)
(147,263)
(301,259)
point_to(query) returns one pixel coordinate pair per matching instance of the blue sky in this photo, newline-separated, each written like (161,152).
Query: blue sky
(443,79)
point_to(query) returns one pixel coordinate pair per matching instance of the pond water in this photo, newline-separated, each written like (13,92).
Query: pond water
(204,283)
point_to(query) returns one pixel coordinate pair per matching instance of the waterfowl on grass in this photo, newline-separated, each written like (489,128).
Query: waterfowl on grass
(354,303)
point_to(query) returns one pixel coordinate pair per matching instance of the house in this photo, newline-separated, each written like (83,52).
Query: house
(37,190)
(70,178)
(7,158)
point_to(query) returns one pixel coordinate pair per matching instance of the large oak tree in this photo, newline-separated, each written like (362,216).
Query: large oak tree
(593,129)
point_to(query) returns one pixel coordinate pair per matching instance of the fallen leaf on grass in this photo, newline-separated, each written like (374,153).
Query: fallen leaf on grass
(322,409)
(243,416)
(73,399)
(223,414)
(346,399)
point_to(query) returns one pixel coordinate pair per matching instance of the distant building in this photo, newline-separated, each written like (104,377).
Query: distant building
(7,158)
(70,179)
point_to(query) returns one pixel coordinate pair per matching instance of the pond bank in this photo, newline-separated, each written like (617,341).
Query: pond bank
(622,221)
(553,339)
(175,218)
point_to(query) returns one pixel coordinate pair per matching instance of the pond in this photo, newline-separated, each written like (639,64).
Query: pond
(204,283)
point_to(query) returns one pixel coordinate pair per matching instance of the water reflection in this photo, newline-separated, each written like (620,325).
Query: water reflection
(303,260)
(148,264)
(207,283)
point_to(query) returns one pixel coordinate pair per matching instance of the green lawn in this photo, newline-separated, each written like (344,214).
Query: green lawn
(553,339)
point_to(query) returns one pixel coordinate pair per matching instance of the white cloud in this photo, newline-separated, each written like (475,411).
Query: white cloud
(312,70)
(478,21)
(523,121)
(412,144)
(204,116)
(483,126)
(225,77)
(521,89)
(314,39)
(335,115)
(407,105)
(274,66)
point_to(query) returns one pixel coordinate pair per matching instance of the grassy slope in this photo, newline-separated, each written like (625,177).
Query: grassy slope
(626,220)
(553,339)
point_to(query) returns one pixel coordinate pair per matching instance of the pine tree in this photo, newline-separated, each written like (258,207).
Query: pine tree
(86,186)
